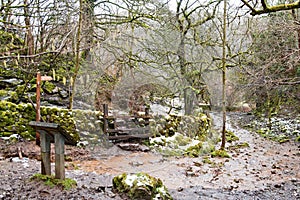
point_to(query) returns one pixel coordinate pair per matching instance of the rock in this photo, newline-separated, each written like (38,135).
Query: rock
(141,186)
(11,82)
(17,159)
(63,93)
(133,147)
(245,107)
(293,180)
(277,185)
(136,163)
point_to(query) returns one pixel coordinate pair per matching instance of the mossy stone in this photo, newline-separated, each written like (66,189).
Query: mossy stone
(194,151)
(48,87)
(141,186)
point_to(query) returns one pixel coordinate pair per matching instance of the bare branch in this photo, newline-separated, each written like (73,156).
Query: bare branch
(270,9)
(249,6)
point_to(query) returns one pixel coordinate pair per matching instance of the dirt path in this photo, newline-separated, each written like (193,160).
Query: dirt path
(264,170)
(263,162)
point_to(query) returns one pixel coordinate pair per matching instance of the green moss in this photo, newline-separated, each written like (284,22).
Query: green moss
(5,134)
(297,139)
(194,151)
(181,140)
(240,145)
(230,136)
(9,41)
(220,153)
(20,89)
(28,135)
(207,160)
(207,149)
(169,125)
(8,95)
(64,118)
(282,139)
(51,181)
(48,87)
(268,134)
(16,118)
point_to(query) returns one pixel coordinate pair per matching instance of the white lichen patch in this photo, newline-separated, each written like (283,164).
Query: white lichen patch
(130,179)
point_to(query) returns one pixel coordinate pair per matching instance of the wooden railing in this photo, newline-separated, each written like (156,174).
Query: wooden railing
(117,133)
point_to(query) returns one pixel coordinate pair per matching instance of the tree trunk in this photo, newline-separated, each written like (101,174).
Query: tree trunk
(224,77)
(77,56)
(29,37)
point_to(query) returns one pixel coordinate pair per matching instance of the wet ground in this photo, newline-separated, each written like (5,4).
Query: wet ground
(264,170)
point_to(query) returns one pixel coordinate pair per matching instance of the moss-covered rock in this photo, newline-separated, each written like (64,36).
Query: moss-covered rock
(14,119)
(49,87)
(167,125)
(181,135)
(192,126)
(141,186)
(8,95)
(194,151)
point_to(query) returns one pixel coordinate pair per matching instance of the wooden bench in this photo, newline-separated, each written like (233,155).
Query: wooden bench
(52,132)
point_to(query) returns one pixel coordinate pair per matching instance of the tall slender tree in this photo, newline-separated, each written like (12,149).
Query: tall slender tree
(224,44)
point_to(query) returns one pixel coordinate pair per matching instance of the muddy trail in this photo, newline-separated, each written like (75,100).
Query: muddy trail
(263,170)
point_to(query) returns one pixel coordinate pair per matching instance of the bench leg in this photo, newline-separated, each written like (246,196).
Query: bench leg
(45,153)
(59,156)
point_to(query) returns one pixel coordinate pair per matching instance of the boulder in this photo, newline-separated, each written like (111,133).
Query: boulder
(141,186)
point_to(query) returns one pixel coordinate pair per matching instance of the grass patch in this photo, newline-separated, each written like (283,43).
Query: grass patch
(238,146)
(170,152)
(297,139)
(51,181)
(207,160)
(268,134)
(220,153)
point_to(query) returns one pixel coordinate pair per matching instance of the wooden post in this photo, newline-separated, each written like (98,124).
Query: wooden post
(105,111)
(48,131)
(45,153)
(147,110)
(38,105)
(59,156)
